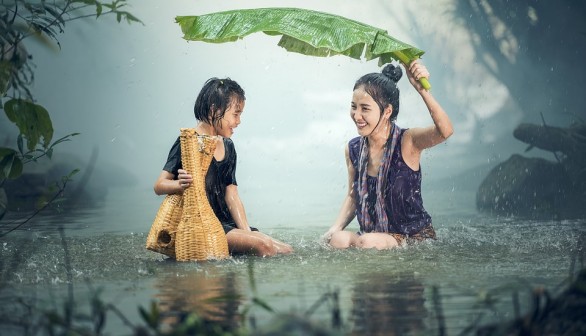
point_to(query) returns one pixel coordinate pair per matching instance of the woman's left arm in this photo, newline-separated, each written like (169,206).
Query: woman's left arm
(441,129)
(236,207)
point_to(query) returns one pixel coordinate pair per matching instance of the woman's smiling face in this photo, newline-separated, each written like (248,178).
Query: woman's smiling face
(364,111)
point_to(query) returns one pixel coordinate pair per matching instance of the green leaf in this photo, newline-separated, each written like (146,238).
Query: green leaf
(5,151)
(19,143)
(3,203)
(151,317)
(58,16)
(304,31)
(63,139)
(5,71)
(263,304)
(98,9)
(68,177)
(251,278)
(144,314)
(72,173)
(32,120)
(10,165)
(131,18)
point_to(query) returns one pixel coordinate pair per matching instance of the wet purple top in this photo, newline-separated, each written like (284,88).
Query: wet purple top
(403,202)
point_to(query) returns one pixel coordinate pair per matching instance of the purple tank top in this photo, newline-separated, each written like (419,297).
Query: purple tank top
(403,201)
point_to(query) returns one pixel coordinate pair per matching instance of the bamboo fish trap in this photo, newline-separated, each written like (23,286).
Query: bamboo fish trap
(198,235)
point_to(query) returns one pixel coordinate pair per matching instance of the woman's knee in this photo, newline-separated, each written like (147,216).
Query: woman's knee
(368,242)
(363,242)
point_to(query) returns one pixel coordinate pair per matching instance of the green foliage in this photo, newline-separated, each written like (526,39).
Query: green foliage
(10,164)
(303,31)
(191,324)
(42,21)
(32,120)
(5,68)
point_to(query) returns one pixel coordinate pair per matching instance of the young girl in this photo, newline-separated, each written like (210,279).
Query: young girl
(218,109)
(384,176)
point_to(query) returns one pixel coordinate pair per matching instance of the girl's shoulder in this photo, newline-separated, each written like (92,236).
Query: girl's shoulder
(228,142)
(229,146)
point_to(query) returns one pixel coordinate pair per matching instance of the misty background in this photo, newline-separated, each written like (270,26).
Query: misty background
(129,88)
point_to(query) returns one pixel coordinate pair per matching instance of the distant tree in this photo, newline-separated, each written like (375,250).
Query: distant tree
(42,20)
(536,49)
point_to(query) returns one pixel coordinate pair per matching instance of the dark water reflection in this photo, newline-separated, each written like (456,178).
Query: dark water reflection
(215,298)
(388,304)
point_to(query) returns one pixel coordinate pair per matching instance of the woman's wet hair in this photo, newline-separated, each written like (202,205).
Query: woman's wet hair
(382,87)
(215,98)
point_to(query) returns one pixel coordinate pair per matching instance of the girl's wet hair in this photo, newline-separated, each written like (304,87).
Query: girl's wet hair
(382,87)
(215,98)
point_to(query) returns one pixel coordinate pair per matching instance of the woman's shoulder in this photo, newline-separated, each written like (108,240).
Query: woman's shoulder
(354,148)
(354,141)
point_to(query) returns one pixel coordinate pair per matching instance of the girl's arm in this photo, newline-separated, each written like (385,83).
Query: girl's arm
(236,207)
(348,210)
(422,138)
(166,183)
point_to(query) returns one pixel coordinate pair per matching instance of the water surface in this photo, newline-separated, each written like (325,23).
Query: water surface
(468,275)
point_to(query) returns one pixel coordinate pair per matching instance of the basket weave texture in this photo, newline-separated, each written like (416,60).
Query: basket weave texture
(161,237)
(198,235)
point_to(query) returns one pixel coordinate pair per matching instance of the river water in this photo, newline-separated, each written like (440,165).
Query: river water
(467,277)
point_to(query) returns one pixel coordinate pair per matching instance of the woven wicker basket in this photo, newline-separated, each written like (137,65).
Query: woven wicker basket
(161,237)
(200,235)
(185,226)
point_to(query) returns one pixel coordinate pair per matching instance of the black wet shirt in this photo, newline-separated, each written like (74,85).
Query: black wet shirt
(219,175)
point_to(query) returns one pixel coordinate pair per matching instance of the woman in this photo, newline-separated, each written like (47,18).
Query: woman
(384,175)
(218,109)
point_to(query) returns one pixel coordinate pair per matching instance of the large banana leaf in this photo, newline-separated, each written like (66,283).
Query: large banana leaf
(303,31)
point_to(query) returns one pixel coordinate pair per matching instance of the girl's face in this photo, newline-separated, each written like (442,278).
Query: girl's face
(364,112)
(231,118)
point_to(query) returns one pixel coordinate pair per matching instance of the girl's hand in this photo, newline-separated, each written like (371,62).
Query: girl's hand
(415,71)
(184,179)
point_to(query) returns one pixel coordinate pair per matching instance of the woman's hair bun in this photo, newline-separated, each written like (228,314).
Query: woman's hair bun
(393,72)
